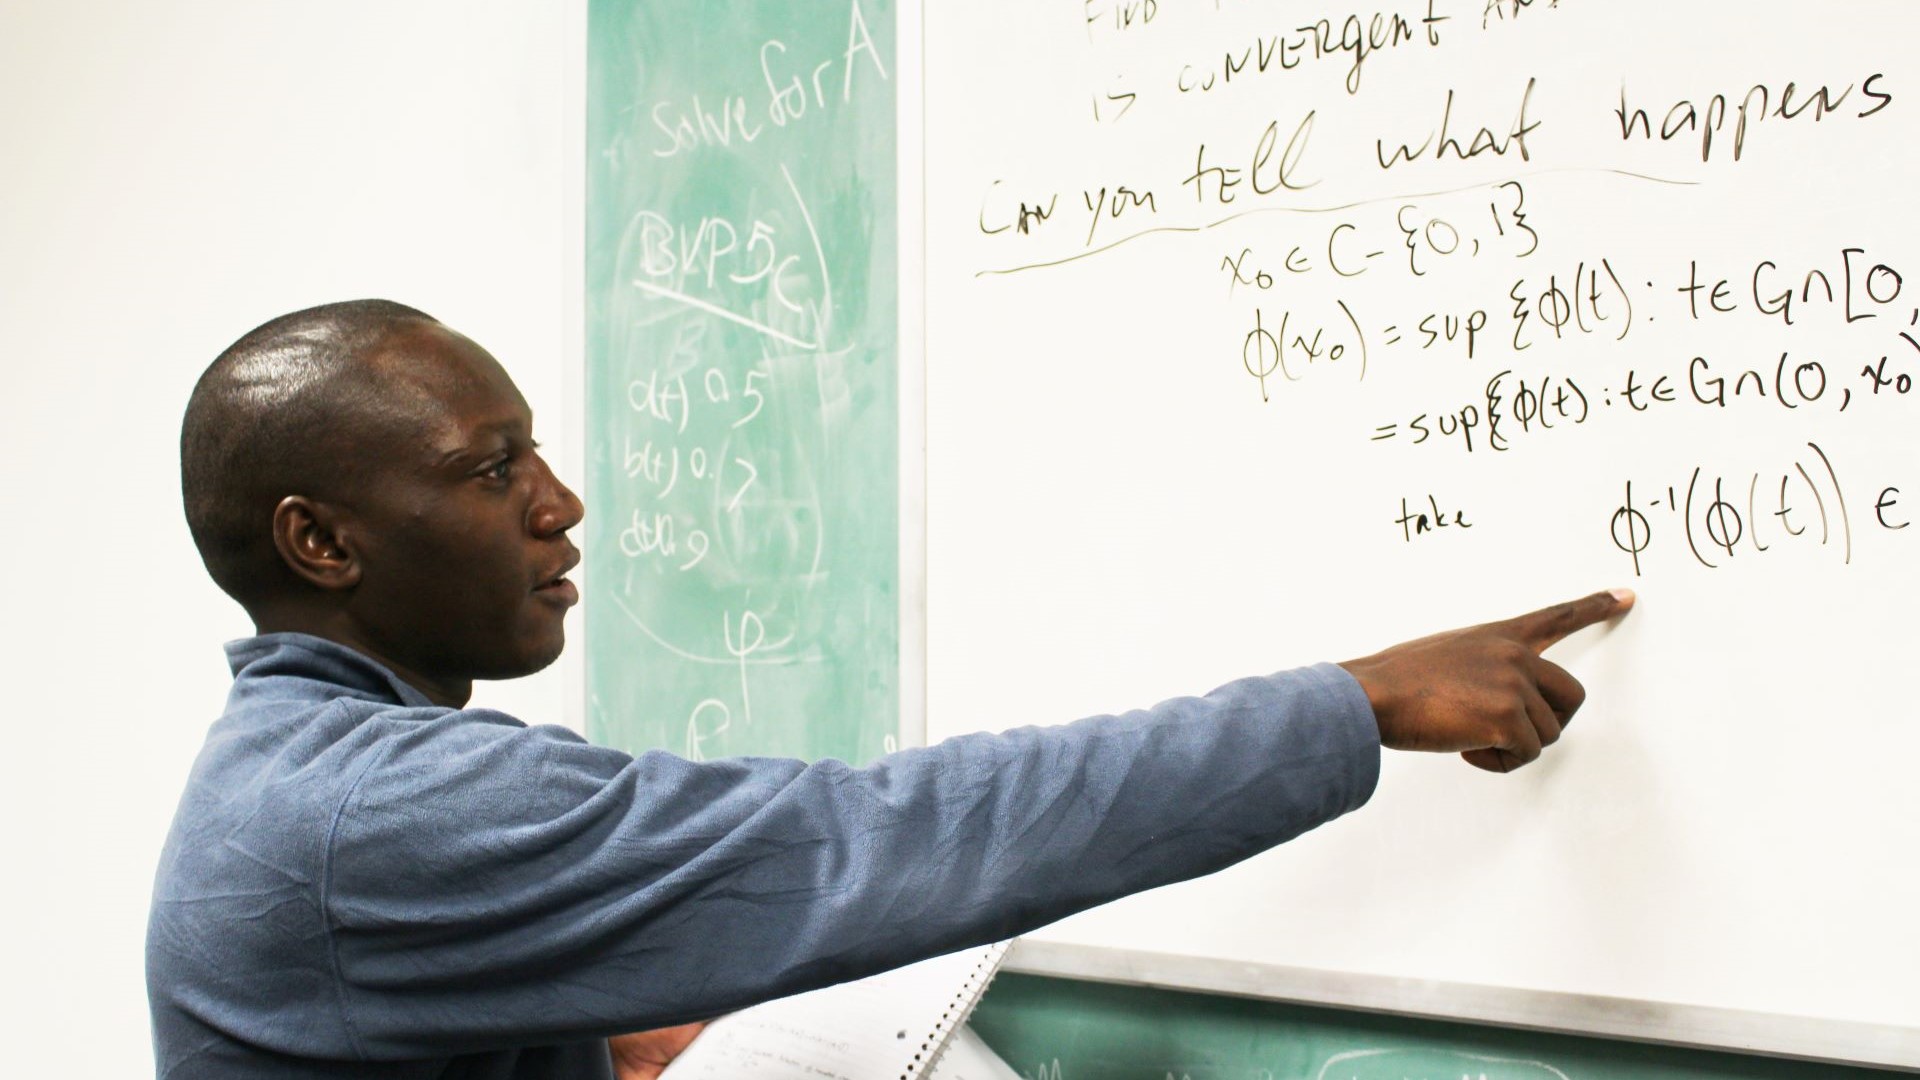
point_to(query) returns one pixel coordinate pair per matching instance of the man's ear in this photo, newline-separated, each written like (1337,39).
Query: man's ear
(310,541)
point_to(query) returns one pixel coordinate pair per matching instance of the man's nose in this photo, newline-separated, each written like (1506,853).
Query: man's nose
(555,507)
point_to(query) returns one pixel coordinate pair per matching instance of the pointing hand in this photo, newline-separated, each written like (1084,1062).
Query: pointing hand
(1483,692)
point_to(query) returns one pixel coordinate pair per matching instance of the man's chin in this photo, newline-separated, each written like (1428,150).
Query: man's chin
(527,661)
(546,655)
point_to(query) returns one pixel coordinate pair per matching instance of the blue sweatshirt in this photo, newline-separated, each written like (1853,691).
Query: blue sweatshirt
(361,883)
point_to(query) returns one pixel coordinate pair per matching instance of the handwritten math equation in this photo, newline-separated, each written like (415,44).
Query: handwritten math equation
(1511,407)
(719,476)
(1716,518)
(1282,341)
(1506,257)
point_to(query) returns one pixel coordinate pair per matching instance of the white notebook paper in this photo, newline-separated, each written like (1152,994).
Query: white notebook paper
(893,1026)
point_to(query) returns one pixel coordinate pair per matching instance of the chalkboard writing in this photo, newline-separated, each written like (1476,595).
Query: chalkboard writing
(742,566)
(1306,328)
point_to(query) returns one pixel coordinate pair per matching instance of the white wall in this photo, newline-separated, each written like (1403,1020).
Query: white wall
(170,176)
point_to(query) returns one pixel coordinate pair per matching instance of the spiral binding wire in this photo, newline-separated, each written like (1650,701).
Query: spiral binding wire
(956,1013)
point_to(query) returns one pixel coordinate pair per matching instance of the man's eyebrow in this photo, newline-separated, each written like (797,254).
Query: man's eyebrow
(454,456)
(512,430)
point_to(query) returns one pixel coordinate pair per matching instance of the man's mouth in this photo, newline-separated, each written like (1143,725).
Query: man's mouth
(559,591)
(558,586)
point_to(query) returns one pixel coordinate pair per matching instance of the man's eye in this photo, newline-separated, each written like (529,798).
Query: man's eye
(500,470)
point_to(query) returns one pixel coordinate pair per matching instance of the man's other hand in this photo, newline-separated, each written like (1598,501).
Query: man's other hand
(1484,692)
(644,1054)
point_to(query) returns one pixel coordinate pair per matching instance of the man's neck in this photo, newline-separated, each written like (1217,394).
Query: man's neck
(454,693)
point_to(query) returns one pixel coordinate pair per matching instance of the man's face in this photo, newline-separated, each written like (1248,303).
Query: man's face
(459,526)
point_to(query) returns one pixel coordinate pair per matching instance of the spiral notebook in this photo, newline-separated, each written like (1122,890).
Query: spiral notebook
(892,1026)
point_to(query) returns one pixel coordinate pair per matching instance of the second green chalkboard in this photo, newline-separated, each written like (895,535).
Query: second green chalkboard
(742,313)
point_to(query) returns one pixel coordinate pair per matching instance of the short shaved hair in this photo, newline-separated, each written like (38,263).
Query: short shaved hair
(266,421)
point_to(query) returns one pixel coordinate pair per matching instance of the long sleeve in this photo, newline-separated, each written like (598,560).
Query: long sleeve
(490,884)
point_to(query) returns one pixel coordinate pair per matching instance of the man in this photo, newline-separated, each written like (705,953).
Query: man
(366,878)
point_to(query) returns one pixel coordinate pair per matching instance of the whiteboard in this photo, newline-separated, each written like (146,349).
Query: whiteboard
(1255,340)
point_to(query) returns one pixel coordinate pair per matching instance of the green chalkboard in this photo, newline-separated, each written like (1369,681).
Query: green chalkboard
(1058,1029)
(741,407)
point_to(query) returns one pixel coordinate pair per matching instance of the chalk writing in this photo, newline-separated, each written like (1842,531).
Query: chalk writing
(742,342)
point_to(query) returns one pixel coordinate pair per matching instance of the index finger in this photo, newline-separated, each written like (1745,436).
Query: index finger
(1541,629)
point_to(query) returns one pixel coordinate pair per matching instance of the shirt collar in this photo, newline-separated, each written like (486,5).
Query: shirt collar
(298,665)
